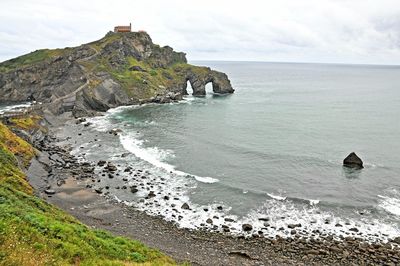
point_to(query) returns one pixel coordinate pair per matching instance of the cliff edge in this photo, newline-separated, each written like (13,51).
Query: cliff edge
(119,69)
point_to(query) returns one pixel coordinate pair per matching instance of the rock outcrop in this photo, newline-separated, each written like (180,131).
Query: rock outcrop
(119,69)
(353,161)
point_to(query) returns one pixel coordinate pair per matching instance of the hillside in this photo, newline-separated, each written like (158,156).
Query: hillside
(33,232)
(119,69)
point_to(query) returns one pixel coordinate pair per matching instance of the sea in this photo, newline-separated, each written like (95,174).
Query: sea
(269,155)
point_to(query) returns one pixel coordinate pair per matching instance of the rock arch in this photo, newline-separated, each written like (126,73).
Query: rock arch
(220,82)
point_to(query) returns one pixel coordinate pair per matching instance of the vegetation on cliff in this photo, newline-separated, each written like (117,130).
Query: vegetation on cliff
(33,232)
(119,69)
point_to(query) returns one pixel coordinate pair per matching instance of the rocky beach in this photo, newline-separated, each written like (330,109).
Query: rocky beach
(69,182)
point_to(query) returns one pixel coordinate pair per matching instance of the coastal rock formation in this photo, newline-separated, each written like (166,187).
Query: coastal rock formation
(119,69)
(353,161)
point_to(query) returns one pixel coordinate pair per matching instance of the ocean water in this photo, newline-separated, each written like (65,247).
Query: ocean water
(272,150)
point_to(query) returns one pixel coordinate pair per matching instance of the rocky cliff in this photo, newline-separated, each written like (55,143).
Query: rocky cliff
(119,69)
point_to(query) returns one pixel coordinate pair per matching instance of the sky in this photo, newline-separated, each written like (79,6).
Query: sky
(323,31)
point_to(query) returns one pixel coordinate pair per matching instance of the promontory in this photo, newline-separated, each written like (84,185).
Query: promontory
(119,69)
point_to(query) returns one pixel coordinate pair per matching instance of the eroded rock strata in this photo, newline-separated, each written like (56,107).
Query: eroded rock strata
(119,69)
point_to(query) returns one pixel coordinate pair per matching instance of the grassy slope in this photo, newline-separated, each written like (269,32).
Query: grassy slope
(33,232)
(31,58)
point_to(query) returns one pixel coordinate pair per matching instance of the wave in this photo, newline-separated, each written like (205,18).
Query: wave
(282,213)
(156,157)
(391,205)
(311,202)
(14,107)
(203,179)
(276,197)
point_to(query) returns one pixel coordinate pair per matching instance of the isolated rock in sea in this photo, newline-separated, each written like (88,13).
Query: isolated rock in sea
(353,161)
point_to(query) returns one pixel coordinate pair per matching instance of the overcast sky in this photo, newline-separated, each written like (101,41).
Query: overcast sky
(336,31)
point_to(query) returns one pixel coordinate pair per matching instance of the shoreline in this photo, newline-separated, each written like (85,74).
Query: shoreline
(69,190)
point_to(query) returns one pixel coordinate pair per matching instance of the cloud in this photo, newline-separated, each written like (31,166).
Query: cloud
(348,31)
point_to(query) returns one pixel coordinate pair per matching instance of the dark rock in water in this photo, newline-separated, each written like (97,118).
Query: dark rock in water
(185,206)
(292,226)
(115,131)
(50,191)
(209,221)
(99,190)
(151,194)
(353,229)
(396,240)
(125,154)
(134,189)
(101,163)
(80,120)
(110,167)
(353,161)
(128,169)
(247,227)
(229,220)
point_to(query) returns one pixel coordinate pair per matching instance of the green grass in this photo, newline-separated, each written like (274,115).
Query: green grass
(30,122)
(31,58)
(33,232)
(151,81)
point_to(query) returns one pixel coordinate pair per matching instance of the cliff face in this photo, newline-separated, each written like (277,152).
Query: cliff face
(119,69)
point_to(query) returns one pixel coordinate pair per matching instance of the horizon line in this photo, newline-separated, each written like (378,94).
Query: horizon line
(294,62)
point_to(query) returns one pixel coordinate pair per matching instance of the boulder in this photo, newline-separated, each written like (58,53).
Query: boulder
(111,168)
(50,192)
(396,240)
(101,163)
(353,161)
(185,206)
(247,227)
(137,68)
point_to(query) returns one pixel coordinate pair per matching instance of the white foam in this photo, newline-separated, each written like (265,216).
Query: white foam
(276,197)
(391,205)
(283,213)
(206,179)
(15,107)
(313,202)
(156,157)
(100,123)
